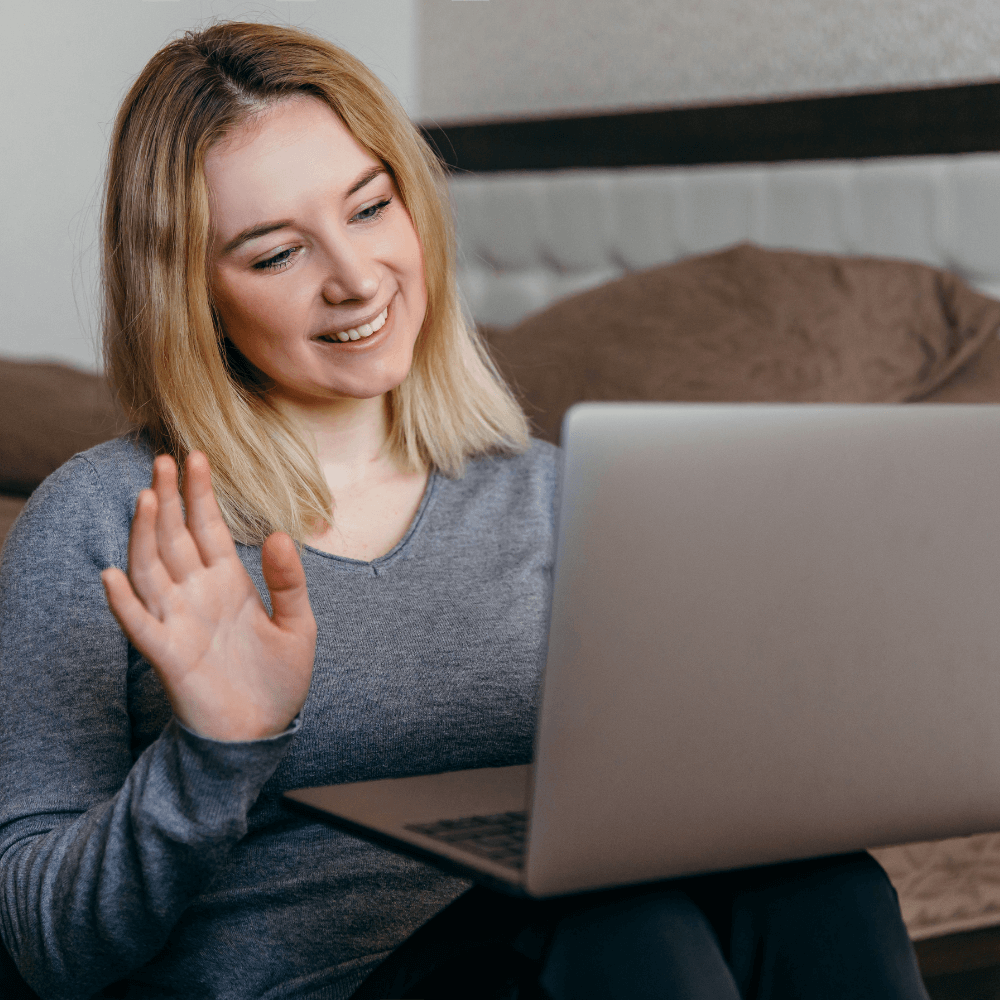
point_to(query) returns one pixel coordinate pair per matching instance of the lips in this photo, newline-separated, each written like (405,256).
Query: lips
(361,332)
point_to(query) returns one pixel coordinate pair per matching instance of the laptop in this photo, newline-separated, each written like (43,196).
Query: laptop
(775,634)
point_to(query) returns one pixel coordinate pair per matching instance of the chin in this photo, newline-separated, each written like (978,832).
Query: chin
(369,388)
(381,383)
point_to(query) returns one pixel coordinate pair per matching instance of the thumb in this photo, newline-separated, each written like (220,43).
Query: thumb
(286,583)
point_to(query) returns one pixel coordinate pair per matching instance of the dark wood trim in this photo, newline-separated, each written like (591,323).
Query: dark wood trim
(978,949)
(953,119)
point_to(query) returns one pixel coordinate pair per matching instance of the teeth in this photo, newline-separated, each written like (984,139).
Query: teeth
(365,330)
(379,321)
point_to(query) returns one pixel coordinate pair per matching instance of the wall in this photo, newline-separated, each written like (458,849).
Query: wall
(515,57)
(65,65)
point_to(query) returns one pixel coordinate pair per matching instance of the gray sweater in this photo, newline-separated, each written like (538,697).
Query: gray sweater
(131,848)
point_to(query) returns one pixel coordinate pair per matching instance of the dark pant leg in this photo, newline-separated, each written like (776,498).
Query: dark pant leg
(484,945)
(815,930)
(645,941)
(650,943)
(824,928)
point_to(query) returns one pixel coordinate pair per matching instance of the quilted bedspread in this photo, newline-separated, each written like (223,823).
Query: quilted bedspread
(946,886)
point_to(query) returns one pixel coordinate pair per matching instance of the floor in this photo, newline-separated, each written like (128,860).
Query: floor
(979,984)
(962,966)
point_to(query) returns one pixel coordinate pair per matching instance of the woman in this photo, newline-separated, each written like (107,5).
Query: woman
(281,309)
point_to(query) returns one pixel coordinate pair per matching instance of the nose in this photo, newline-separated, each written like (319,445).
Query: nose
(351,275)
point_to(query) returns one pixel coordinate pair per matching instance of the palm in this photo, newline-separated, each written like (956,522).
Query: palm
(230,670)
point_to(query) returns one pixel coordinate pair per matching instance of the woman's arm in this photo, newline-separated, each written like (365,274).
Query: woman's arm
(99,856)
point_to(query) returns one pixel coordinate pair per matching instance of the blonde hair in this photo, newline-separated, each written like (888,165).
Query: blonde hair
(177,376)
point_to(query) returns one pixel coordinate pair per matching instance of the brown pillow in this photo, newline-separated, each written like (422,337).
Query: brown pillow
(976,382)
(749,324)
(10,507)
(50,412)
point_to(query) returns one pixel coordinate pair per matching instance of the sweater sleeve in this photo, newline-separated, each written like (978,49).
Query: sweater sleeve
(100,852)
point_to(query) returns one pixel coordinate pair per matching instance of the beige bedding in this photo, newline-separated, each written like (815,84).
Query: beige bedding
(946,886)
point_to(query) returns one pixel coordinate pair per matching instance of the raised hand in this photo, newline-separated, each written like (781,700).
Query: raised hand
(231,672)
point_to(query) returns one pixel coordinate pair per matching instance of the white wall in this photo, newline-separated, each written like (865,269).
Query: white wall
(514,57)
(65,65)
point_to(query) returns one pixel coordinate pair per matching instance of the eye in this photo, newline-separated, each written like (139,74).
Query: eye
(277,262)
(372,212)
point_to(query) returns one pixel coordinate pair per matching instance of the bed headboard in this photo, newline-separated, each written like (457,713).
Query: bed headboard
(545,208)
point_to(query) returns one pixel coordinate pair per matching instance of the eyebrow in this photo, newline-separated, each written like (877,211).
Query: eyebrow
(263,228)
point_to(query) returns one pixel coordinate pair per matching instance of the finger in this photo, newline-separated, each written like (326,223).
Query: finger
(286,583)
(178,551)
(135,621)
(148,574)
(208,528)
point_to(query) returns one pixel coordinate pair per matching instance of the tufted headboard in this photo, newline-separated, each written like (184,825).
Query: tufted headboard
(545,208)
(528,238)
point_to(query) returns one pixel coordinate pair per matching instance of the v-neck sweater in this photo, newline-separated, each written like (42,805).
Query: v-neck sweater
(133,849)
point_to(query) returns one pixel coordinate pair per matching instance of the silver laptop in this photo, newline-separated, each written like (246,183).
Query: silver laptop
(775,634)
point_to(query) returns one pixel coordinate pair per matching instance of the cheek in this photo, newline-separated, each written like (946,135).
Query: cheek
(417,269)
(228,304)
(407,250)
(248,316)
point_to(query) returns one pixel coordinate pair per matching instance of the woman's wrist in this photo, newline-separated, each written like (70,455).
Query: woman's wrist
(243,734)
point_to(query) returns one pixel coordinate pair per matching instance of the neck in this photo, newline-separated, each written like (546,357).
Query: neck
(374,497)
(350,436)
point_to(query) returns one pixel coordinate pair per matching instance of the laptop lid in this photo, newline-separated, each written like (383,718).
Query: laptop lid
(775,634)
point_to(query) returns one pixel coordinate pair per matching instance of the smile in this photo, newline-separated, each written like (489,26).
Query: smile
(361,332)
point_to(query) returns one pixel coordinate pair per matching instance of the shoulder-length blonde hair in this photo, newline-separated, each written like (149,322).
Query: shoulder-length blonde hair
(166,354)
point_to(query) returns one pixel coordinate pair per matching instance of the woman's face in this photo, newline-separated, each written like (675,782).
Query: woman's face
(310,239)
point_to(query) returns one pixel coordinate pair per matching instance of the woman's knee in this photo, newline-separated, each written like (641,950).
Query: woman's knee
(646,942)
(842,883)
(824,928)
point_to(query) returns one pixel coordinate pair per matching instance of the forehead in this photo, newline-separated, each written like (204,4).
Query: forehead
(296,149)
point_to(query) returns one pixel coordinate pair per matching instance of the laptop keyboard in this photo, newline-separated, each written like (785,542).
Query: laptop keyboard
(499,838)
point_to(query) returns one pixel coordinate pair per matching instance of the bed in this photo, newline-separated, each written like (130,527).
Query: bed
(615,257)
(550,211)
